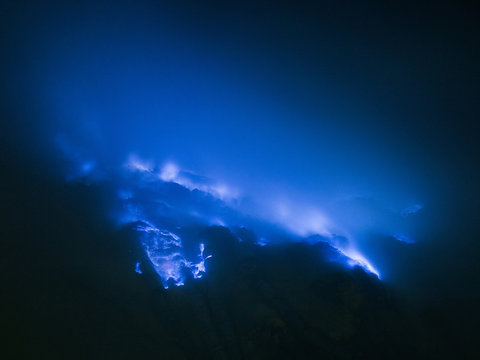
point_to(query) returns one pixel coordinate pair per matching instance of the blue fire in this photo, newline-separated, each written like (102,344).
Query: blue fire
(137,268)
(157,202)
(165,251)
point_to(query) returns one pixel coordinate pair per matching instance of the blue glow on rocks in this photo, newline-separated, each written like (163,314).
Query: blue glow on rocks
(355,258)
(158,201)
(165,248)
(137,268)
(165,251)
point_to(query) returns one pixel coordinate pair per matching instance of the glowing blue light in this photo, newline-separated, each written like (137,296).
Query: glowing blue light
(349,254)
(169,172)
(134,163)
(172,173)
(164,250)
(199,269)
(357,259)
(299,219)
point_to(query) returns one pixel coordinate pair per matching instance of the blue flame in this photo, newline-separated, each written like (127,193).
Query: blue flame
(137,268)
(165,251)
(164,246)
(156,211)
(355,258)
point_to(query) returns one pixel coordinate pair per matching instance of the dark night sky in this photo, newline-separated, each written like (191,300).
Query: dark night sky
(334,116)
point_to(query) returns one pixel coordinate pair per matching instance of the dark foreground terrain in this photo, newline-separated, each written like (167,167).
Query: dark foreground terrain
(69,290)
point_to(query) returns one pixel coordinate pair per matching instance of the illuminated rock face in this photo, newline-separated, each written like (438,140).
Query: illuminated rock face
(162,202)
(165,251)
(159,203)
